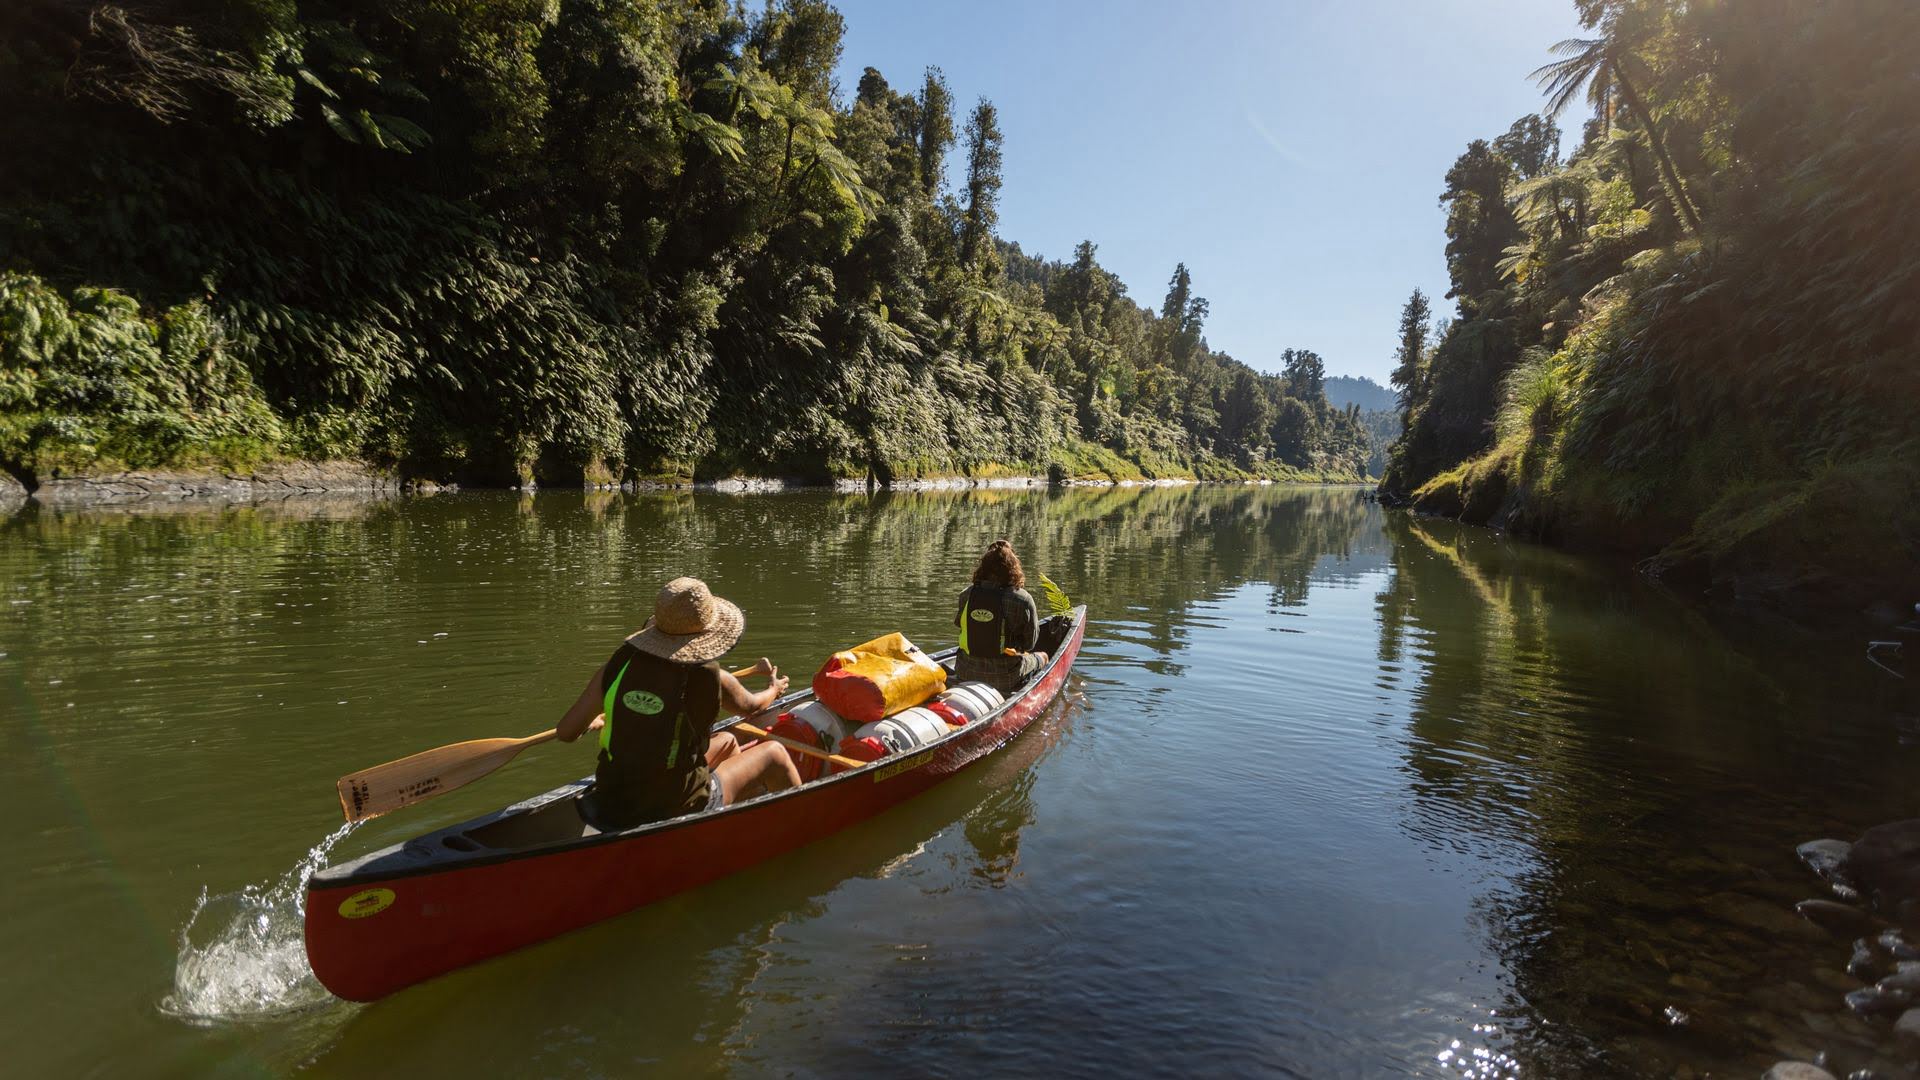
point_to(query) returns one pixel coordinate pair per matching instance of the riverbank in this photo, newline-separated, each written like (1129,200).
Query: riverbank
(299,478)
(1840,540)
(264,482)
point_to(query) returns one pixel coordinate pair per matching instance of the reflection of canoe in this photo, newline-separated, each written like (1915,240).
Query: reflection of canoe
(461,894)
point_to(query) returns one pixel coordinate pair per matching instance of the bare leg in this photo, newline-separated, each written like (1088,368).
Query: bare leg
(761,767)
(721,746)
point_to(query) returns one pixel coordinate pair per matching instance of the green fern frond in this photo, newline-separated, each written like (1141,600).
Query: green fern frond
(1056,598)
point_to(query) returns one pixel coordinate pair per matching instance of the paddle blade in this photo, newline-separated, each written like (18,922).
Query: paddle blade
(386,788)
(1055,596)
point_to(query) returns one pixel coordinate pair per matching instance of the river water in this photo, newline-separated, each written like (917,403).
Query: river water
(1333,791)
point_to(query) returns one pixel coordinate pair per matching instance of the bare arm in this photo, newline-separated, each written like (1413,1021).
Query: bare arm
(585,710)
(736,701)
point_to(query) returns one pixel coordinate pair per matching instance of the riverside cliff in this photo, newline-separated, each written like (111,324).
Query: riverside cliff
(1693,339)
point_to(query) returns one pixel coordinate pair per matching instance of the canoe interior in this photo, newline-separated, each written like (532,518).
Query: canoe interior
(549,823)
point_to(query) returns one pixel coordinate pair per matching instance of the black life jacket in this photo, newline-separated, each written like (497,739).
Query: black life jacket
(649,746)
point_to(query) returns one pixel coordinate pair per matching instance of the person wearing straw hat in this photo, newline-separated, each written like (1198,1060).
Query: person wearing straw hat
(658,698)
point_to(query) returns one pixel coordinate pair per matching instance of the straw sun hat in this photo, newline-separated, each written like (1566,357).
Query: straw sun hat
(690,625)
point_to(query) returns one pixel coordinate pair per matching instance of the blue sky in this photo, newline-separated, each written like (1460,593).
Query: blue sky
(1290,153)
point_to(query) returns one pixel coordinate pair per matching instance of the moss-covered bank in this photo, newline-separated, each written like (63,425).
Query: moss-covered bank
(1843,536)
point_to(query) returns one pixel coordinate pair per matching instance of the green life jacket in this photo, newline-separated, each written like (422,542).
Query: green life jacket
(986,618)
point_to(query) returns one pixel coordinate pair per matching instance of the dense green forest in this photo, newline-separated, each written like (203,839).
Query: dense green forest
(1696,333)
(1379,413)
(565,241)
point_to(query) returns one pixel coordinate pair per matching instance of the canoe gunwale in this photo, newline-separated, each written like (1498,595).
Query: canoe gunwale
(441,857)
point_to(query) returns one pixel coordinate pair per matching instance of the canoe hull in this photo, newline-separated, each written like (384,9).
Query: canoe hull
(406,915)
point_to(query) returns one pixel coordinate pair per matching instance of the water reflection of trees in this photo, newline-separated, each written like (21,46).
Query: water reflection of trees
(1638,784)
(222,611)
(813,570)
(1144,556)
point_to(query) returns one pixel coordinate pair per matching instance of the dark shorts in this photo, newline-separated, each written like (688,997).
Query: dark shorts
(590,811)
(1003,673)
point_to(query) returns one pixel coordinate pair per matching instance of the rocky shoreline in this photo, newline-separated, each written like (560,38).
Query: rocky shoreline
(1875,888)
(289,479)
(266,482)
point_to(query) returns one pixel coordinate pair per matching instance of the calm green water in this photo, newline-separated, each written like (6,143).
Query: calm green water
(1333,792)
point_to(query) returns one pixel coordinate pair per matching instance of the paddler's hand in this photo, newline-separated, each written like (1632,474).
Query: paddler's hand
(776,682)
(598,723)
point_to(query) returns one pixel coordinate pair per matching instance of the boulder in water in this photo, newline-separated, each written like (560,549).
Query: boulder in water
(1827,858)
(1907,1028)
(1797,1070)
(1841,919)
(1873,1001)
(1885,862)
(1896,946)
(1865,962)
(1907,979)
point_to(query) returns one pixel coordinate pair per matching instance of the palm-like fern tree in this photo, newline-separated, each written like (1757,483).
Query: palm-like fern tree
(1595,63)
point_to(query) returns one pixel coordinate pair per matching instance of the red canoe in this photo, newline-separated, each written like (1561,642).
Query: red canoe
(521,875)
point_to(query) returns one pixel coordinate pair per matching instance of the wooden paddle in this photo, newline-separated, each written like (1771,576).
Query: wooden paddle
(810,751)
(386,788)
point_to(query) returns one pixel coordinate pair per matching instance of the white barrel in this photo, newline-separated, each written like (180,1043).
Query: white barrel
(831,725)
(973,699)
(904,731)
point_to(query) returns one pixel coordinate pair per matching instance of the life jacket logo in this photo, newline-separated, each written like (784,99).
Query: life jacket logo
(979,615)
(366,902)
(642,702)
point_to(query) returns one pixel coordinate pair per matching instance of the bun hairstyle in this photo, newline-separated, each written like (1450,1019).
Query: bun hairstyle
(1000,566)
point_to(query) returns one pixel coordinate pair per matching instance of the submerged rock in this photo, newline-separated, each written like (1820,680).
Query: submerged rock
(1752,913)
(1797,1070)
(1873,1001)
(1842,919)
(1907,979)
(1897,946)
(1907,1028)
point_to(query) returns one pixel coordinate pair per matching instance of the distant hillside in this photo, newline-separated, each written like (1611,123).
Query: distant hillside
(1344,390)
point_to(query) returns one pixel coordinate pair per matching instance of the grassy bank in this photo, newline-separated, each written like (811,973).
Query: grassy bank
(1731,507)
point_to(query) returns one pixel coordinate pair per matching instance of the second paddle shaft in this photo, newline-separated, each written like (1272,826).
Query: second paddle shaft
(753,731)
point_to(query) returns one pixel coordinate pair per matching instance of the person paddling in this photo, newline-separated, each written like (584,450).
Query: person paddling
(660,694)
(998,622)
